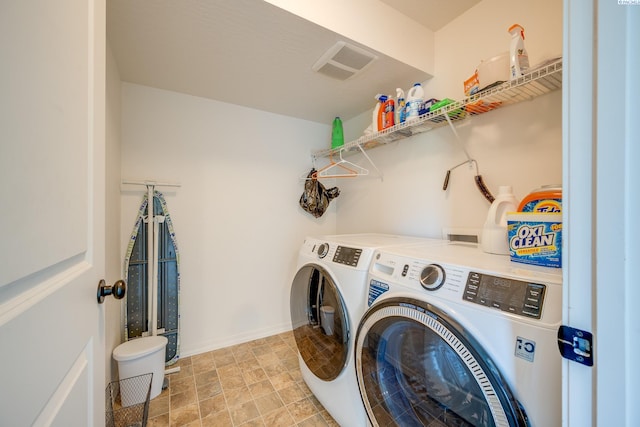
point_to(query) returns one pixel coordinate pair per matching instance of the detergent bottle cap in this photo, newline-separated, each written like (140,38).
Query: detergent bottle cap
(383,98)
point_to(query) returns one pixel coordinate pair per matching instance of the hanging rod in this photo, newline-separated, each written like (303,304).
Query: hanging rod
(151,183)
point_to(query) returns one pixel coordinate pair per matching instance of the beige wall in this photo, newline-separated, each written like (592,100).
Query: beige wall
(236,215)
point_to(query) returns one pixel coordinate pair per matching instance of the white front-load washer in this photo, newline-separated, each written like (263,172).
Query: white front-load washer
(327,301)
(457,337)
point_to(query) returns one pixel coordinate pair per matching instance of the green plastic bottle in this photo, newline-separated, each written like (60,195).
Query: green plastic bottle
(337,136)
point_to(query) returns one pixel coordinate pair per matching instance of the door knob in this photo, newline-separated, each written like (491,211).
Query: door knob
(117,290)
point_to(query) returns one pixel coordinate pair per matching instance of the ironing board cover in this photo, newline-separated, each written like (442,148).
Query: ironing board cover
(168,291)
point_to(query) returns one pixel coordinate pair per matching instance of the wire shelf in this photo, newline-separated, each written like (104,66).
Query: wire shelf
(542,80)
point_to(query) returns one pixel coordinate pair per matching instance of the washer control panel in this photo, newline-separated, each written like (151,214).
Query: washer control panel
(513,296)
(347,256)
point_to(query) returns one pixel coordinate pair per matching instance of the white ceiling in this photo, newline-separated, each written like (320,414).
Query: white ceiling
(251,53)
(433,14)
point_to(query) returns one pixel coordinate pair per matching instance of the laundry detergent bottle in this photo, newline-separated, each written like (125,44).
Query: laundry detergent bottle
(386,113)
(518,57)
(337,134)
(415,98)
(376,112)
(494,239)
(401,105)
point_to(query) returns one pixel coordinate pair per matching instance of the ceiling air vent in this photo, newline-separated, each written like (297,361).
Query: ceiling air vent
(343,61)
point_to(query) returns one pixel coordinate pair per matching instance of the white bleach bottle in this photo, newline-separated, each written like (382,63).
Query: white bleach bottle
(494,239)
(415,97)
(518,57)
(401,106)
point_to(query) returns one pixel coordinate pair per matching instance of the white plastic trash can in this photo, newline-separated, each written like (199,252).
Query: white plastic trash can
(326,318)
(141,356)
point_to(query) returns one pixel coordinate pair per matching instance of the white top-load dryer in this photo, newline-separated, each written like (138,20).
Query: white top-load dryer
(455,336)
(327,301)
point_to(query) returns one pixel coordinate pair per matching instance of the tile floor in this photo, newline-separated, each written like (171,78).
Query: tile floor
(251,384)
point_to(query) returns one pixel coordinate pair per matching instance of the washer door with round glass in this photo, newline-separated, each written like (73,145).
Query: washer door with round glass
(416,367)
(320,322)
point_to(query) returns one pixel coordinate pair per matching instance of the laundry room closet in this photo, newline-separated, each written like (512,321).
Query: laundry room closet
(236,212)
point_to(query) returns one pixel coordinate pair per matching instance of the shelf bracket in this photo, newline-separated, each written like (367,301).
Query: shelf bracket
(455,133)
(371,162)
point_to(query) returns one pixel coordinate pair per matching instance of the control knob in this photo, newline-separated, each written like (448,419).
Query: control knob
(432,277)
(323,250)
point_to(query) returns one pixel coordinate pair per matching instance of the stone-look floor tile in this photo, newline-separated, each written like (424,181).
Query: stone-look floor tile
(305,389)
(164,393)
(244,412)
(260,389)
(199,368)
(279,418)
(202,358)
(224,359)
(219,419)
(182,385)
(329,419)
(212,405)
(267,359)
(291,394)
(183,399)
(268,403)
(314,421)
(209,390)
(241,348)
(232,382)
(301,410)
(229,371)
(295,372)
(186,371)
(158,406)
(206,377)
(184,415)
(282,380)
(263,387)
(262,350)
(237,396)
(285,352)
(259,342)
(275,369)
(182,362)
(273,339)
(254,375)
(316,402)
(203,365)
(159,421)
(248,363)
(257,422)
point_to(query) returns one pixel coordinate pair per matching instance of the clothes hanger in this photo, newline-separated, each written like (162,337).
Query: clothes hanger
(346,169)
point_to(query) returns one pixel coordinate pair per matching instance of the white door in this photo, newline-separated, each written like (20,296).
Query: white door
(51,212)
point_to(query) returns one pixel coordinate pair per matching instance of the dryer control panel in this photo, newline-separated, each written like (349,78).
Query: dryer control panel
(347,256)
(513,296)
